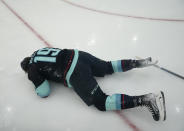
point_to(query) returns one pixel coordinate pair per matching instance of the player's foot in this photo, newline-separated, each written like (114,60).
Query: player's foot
(155,102)
(145,62)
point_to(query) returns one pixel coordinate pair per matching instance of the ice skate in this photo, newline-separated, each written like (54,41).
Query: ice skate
(146,62)
(155,102)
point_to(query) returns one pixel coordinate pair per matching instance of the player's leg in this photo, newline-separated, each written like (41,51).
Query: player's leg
(128,64)
(88,89)
(83,82)
(154,102)
(100,67)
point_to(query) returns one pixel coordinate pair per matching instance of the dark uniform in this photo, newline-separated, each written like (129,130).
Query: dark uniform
(50,64)
(76,69)
(54,64)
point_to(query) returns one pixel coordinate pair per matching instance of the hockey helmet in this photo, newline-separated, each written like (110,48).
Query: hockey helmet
(25,63)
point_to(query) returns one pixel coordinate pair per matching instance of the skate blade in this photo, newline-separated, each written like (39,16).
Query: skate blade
(160,100)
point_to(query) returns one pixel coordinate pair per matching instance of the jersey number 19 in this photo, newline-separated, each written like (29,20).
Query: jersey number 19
(46,55)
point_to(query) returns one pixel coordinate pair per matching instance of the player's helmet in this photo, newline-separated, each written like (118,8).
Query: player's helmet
(25,63)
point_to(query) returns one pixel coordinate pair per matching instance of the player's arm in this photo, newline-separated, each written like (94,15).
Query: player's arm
(42,86)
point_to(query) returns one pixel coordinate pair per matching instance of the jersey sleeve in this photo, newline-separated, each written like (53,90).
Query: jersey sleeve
(42,86)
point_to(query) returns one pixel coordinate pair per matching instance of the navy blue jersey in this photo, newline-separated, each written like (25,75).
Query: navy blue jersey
(49,64)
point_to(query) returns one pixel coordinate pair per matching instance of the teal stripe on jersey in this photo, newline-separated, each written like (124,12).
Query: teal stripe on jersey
(72,67)
(113,102)
(45,59)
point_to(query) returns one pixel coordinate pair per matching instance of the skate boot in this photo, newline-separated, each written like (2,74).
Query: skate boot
(145,62)
(155,104)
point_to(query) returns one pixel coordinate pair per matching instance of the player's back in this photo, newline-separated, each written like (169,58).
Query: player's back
(51,62)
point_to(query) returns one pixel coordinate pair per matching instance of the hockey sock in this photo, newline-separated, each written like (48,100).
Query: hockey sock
(122,101)
(155,103)
(123,65)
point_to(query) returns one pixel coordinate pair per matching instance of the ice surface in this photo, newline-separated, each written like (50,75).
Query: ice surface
(106,36)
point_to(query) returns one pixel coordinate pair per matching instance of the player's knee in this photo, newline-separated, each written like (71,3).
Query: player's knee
(99,100)
(100,106)
(100,103)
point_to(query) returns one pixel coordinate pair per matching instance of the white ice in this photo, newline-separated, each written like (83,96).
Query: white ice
(110,37)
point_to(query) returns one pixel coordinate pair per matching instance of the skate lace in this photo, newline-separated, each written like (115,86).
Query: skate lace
(149,108)
(153,109)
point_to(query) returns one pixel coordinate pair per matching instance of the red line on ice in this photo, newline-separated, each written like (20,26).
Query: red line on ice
(130,124)
(127,121)
(26,24)
(122,15)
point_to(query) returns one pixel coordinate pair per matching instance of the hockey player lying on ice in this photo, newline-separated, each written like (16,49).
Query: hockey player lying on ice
(76,69)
